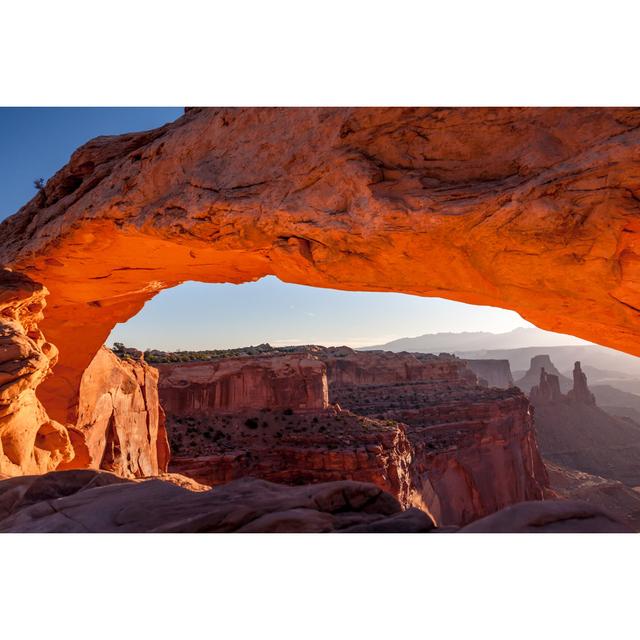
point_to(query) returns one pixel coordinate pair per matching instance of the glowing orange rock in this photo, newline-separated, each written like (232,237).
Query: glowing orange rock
(119,425)
(29,441)
(528,209)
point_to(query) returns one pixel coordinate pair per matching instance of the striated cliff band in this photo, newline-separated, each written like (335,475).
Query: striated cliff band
(416,425)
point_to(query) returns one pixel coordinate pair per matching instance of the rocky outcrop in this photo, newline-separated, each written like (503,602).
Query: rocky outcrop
(551,516)
(610,495)
(492,373)
(532,376)
(293,449)
(580,392)
(474,449)
(120,427)
(573,432)
(416,425)
(90,501)
(297,382)
(29,441)
(547,390)
(501,207)
(100,502)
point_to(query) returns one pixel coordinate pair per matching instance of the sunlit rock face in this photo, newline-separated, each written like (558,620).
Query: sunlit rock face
(29,441)
(296,382)
(120,427)
(528,209)
(416,425)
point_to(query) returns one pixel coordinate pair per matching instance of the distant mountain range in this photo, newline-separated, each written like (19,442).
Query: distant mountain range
(603,366)
(478,340)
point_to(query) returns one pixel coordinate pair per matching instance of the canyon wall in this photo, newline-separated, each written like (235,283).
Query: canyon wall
(532,209)
(297,382)
(474,449)
(423,430)
(346,367)
(493,373)
(120,424)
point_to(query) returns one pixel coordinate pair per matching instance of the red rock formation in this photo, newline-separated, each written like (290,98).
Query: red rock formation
(474,449)
(29,441)
(528,209)
(548,389)
(100,502)
(297,382)
(119,426)
(294,449)
(432,437)
(551,516)
(492,373)
(532,376)
(346,367)
(575,433)
(580,392)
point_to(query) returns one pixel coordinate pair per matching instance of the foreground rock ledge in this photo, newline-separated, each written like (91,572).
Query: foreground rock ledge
(535,210)
(88,501)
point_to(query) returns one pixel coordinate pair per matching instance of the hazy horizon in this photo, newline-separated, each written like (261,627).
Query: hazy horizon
(203,316)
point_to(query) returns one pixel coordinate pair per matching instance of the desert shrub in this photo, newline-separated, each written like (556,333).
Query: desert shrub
(251,423)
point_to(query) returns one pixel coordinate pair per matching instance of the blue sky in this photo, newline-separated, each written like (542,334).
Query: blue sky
(36,142)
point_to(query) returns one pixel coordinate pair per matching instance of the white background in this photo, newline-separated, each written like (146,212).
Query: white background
(318,53)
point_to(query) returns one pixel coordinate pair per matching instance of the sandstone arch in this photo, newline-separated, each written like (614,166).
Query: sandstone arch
(535,210)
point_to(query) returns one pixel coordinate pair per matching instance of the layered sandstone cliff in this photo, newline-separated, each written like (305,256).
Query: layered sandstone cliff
(120,424)
(89,501)
(416,425)
(29,441)
(296,382)
(346,367)
(500,207)
(492,373)
(474,449)
(293,448)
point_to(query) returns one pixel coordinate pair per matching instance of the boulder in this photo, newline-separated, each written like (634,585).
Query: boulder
(101,502)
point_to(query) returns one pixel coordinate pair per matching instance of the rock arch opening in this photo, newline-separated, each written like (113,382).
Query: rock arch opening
(451,435)
(534,210)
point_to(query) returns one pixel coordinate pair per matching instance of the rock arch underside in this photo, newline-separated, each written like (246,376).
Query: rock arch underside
(531,209)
